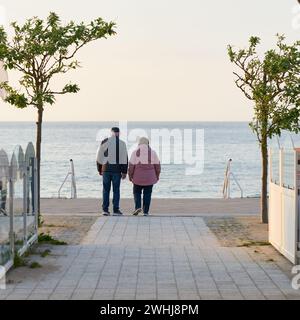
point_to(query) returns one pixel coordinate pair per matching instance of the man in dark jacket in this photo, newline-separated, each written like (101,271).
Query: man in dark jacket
(112,165)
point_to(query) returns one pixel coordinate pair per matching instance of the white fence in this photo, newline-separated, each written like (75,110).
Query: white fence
(18,203)
(283,202)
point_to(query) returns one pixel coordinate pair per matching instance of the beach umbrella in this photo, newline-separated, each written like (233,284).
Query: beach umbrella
(3,78)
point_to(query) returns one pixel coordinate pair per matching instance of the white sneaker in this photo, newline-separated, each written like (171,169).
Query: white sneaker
(136,212)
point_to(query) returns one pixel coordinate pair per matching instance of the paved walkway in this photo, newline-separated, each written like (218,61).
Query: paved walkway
(151,258)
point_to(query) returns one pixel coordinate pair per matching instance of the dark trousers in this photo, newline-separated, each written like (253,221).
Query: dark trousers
(147,192)
(114,179)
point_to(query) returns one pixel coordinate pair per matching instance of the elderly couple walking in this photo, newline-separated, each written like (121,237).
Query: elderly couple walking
(143,171)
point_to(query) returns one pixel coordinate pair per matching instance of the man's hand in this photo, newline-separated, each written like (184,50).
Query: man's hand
(124,176)
(100,173)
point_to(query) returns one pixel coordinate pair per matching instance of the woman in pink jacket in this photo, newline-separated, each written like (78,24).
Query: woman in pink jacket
(144,171)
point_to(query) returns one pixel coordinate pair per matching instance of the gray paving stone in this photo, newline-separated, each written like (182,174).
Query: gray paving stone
(154,258)
(17,296)
(37,296)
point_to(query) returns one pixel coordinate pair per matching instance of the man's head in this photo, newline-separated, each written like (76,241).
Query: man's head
(115,131)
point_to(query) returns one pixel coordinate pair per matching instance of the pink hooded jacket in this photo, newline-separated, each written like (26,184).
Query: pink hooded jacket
(144,166)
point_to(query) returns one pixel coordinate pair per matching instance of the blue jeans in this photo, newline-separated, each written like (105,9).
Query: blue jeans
(114,179)
(147,192)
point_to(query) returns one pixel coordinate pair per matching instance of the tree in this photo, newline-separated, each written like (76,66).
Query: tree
(40,50)
(272,83)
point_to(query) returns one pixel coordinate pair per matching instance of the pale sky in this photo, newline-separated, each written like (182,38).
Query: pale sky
(168,60)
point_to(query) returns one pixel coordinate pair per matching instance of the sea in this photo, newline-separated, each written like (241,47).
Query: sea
(194,156)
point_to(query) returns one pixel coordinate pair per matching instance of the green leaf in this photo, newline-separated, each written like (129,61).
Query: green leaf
(71,88)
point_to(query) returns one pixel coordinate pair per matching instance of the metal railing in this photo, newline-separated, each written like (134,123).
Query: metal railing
(227,182)
(18,203)
(73,182)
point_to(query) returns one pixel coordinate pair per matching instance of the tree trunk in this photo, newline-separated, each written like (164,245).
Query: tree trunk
(264,184)
(38,154)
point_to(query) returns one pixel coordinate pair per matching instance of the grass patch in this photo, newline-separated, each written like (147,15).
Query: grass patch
(45,253)
(251,243)
(54,226)
(24,260)
(19,242)
(34,265)
(47,238)
(19,261)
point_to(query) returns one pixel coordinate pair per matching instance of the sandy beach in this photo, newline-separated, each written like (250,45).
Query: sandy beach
(172,207)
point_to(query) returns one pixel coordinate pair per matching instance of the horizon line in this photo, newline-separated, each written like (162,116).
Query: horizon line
(95,121)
